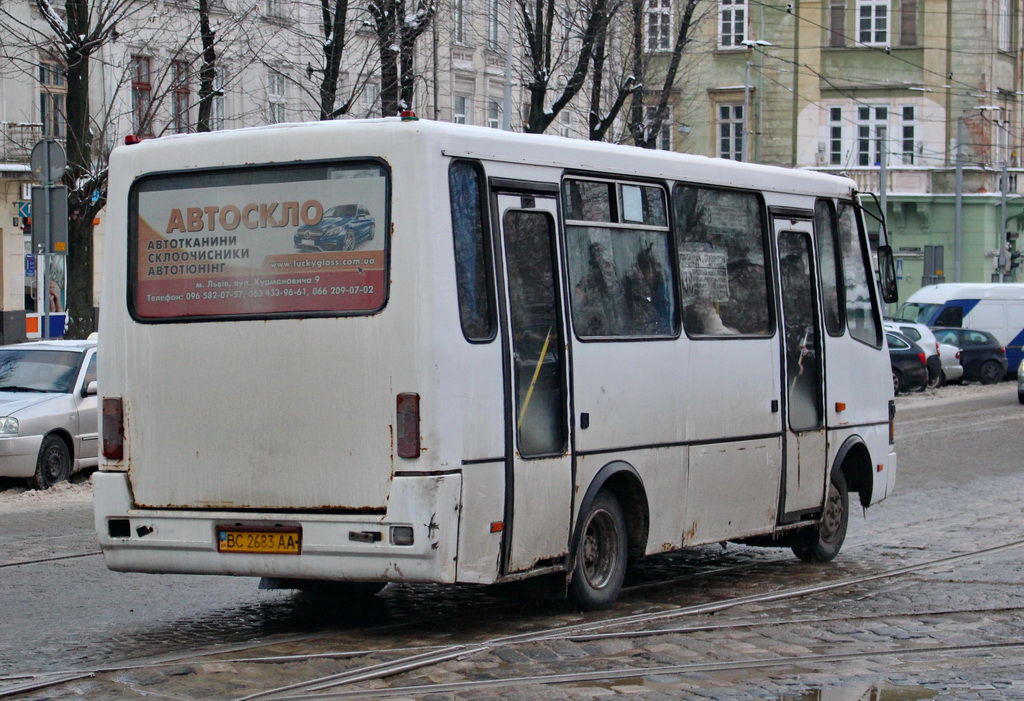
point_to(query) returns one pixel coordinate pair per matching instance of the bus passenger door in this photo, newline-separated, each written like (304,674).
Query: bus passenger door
(538,490)
(806,443)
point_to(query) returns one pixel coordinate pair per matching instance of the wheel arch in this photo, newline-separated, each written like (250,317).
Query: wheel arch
(69,442)
(622,480)
(854,460)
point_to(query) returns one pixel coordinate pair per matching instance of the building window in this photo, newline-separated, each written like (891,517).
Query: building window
(908,23)
(835,136)
(52,93)
(908,146)
(566,124)
(217,108)
(873,22)
(274,8)
(837,23)
(493,115)
(460,109)
(731,132)
(659,25)
(732,23)
(276,98)
(371,91)
(871,134)
(493,22)
(459,19)
(663,141)
(142,96)
(180,97)
(1005,31)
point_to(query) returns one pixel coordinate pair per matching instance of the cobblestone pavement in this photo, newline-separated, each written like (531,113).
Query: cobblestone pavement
(951,630)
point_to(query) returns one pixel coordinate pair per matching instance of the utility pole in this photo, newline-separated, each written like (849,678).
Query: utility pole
(958,210)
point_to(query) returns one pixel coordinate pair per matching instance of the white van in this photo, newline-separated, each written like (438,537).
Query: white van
(994,307)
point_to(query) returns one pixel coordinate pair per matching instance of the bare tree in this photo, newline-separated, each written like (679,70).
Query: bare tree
(207,67)
(398,25)
(649,108)
(551,32)
(71,39)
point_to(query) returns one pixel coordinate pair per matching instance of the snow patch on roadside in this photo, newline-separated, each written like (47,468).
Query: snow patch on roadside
(15,497)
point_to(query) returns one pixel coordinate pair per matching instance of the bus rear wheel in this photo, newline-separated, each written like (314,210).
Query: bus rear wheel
(822,544)
(601,554)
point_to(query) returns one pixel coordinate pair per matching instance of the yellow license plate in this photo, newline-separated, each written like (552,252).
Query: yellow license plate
(272,541)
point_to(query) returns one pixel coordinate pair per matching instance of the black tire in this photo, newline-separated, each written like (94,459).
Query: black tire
(990,373)
(350,240)
(1020,397)
(937,380)
(823,543)
(53,464)
(601,554)
(897,381)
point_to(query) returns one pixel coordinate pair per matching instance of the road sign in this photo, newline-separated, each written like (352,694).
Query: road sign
(50,219)
(49,161)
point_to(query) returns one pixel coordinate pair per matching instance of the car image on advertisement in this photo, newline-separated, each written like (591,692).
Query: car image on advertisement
(342,228)
(48,410)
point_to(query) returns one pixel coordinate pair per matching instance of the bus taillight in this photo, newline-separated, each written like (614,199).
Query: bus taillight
(408,425)
(113,428)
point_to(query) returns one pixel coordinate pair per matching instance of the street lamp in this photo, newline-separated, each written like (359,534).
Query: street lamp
(750,44)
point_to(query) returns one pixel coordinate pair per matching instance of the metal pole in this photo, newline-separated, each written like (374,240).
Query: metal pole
(44,293)
(1004,179)
(883,176)
(506,109)
(958,210)
(746,113)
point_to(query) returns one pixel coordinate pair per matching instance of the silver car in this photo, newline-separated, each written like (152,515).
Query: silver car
(1020,382)
(48,410)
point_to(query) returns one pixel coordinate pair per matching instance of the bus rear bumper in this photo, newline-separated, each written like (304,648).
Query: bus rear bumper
(338,547)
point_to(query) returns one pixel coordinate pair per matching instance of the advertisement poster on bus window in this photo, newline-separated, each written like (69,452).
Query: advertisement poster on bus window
(310,241)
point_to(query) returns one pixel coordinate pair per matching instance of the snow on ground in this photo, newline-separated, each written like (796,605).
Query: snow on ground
(15,496)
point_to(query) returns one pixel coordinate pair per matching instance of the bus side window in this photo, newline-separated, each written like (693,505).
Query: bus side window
(620,276)
(472,259)
(860,315)
(721,239)
(826,232)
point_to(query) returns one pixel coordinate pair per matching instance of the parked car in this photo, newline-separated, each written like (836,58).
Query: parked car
(922,336)
(48,410)
(1020,382)
(909,363)
(952,370)
(342,228)
(983,357)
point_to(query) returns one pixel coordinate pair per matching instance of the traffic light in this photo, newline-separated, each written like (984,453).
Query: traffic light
(26,225)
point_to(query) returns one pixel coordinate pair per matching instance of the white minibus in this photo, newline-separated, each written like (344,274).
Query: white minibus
(377,351)
(994,307)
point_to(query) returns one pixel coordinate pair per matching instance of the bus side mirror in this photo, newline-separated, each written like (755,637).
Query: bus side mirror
(887,275)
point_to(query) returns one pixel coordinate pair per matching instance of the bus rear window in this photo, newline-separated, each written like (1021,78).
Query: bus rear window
(264,242)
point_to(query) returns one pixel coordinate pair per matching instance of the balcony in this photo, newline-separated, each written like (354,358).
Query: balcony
(920,180)
(17,140)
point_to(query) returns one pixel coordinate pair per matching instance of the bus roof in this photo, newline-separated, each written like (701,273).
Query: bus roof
(944,292)
(377,137)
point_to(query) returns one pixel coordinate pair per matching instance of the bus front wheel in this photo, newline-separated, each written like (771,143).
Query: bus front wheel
(601,554)
(822,544)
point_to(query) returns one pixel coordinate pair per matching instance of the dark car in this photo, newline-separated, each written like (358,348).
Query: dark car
(909,363)
(983,357)
(342,228)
